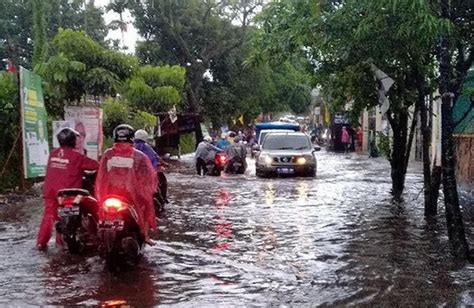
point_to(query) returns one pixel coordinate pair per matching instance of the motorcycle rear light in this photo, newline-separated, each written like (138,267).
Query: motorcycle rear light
(222,158)
(113,203)
(67,201)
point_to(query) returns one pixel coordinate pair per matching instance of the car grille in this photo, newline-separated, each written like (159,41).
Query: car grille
(284,159)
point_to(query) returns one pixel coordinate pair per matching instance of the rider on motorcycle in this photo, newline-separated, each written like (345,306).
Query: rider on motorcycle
(236,150)
(140,143)
(205,152)
(64,170)
(223,143)
(128,173)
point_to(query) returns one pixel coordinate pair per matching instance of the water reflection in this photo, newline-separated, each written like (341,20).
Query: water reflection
(269,193)
(222,227)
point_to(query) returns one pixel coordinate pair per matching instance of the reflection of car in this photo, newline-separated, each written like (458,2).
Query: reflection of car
(289,153)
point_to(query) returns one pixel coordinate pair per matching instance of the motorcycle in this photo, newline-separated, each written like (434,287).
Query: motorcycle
(216,166)
(77,215)
(120,239)
(236,165)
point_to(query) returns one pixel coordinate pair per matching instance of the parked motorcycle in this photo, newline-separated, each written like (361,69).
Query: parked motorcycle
(77,215)
(120,239)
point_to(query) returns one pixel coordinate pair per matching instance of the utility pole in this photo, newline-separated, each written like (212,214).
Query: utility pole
(457,237)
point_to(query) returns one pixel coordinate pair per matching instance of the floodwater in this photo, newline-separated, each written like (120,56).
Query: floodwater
(335,240)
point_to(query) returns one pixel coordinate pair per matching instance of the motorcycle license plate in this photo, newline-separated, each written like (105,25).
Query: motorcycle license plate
(116,225)
(69,211)
(285,170)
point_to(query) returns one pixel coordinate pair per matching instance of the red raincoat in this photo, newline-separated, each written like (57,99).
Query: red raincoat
(128,173)
(64,170)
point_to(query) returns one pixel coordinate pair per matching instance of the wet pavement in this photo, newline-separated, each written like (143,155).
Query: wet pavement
(239,240)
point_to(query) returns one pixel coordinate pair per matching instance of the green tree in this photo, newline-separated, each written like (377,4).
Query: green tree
(82,67)
(156,88)
(191,33)
(40,44)
(9,127)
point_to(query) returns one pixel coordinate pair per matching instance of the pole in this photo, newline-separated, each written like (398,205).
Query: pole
(21,139)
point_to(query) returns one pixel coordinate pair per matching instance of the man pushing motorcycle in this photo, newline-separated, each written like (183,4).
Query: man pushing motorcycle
(64,170)
(128,173)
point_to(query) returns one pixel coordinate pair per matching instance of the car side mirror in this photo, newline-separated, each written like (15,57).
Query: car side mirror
(317,148)
(256,147)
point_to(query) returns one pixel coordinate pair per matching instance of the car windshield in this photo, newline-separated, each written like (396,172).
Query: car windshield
(286,142)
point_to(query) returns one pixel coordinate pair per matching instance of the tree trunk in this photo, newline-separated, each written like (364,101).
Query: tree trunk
(399,160)
(457,237)
(430,210)
(194,77)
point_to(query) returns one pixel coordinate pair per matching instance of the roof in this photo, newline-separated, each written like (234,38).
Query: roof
(463,113)
(270,125)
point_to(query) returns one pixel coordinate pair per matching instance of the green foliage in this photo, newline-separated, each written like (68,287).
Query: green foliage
(17,29)
(119,111)
(9,127)
(82,66)
(187,143)
(156,89)
(40,43)
(385,146)
(191,33)
(115,113)
(144,120)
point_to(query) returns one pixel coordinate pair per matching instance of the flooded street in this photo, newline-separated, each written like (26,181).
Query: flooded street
(240,240)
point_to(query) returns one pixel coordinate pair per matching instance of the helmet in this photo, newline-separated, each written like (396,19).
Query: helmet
(141,134)
(237,139)
(123,133)
(223,135)
(208,139)
(67,137)
(231,134)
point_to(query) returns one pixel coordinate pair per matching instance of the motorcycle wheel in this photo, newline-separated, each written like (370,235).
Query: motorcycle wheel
(73,245)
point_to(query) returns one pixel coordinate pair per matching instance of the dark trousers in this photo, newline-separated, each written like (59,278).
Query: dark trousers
(201,166)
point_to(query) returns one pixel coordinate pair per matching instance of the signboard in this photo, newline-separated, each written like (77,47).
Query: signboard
(57,127)
(88,122)
(34,125)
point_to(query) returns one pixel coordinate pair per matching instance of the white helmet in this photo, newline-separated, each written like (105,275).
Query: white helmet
(223,135)
(141,134)
(208,138)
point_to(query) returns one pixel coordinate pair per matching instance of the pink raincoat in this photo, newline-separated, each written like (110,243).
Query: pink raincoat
(128,173)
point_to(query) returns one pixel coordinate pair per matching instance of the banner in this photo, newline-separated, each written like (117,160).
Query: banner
(34,125)
(88,122)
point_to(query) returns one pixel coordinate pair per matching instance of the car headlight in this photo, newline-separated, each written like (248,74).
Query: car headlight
(301,160)
(265,159)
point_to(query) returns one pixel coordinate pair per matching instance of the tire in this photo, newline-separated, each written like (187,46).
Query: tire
(72,244)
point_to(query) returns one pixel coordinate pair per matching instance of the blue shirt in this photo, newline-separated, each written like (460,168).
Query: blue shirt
(144,147)
(222,144)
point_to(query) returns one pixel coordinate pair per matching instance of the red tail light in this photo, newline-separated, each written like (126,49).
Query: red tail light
(113,204)
(222,158)
(67,201)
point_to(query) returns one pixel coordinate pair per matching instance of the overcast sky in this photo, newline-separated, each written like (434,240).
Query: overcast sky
(131,36)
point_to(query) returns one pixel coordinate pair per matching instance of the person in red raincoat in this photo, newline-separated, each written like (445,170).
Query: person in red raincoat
(128,173)
(64,170)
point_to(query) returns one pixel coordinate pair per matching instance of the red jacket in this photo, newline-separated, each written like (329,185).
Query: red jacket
(64,170)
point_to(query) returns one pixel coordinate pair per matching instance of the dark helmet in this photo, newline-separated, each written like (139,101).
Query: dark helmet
(124,133)
(67,137)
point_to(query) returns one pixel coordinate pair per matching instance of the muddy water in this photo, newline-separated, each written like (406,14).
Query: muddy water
(239,240)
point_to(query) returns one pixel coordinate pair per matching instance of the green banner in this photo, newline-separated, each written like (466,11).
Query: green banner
(34,122)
